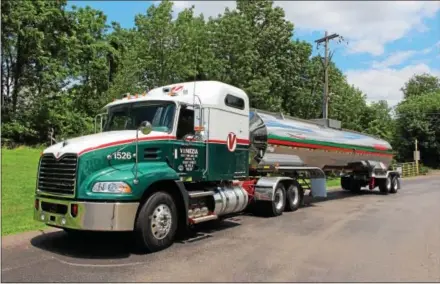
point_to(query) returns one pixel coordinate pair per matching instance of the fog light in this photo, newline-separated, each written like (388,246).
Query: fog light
(42,217)
(74,210)
(63,221)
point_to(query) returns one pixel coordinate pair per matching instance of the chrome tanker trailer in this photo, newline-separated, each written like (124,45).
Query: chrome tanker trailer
(192,152)
(291,142)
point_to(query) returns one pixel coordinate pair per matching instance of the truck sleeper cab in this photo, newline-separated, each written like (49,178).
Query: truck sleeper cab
(180,155)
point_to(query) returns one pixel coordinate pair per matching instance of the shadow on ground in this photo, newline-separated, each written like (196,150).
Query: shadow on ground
(113,245)
(337,195)
(117,245)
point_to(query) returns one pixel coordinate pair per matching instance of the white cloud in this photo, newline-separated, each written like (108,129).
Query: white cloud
(368,25)
(385,84)
(402,56)
(395,58)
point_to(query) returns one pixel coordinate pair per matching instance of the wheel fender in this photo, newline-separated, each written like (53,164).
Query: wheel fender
(185,198)
(265,187)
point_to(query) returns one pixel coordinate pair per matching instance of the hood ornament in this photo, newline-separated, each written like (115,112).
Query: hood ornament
(64,143)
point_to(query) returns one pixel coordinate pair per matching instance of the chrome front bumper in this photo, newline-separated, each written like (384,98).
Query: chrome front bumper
(91,216)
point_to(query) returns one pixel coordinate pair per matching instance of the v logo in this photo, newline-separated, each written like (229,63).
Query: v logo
(231,142)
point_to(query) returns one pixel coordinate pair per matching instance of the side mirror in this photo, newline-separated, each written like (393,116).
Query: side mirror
(99,117)
(145,127)
(198,119)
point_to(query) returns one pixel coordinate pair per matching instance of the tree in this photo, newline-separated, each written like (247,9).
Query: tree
(421,84)
(61,66)
(418,117)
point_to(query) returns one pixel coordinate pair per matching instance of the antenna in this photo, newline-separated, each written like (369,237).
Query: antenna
(195,73)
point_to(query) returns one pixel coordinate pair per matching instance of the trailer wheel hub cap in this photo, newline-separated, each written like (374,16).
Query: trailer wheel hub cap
(161,221)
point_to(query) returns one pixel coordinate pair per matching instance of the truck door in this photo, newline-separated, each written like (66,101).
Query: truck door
(189,153)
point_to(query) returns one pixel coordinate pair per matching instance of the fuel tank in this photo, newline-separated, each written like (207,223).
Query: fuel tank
(279,139)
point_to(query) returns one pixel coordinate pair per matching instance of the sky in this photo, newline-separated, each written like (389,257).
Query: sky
(386,43)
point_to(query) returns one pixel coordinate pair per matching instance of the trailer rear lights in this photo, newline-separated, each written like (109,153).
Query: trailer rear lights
(74,210)
(37,204)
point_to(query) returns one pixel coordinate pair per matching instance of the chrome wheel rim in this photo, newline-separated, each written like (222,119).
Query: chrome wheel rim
(396,185)
(294,195)
(161,221)
(279,199)
(388,183)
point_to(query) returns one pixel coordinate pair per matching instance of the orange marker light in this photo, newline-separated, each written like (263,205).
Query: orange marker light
(125,188)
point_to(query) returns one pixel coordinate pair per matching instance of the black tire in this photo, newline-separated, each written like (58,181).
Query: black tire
(294,197)
(275,207)
(395,184)
(162,204)
(385,185)
(355,186)
(345,182)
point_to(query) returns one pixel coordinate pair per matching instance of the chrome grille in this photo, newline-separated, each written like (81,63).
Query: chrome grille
(57,176)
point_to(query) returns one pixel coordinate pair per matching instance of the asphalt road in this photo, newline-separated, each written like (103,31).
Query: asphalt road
(369,237)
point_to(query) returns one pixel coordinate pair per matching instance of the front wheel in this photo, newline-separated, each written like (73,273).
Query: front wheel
(156,223)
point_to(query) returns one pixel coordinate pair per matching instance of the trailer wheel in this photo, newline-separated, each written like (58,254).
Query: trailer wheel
(395,185)
(385,185)
(345,182)
(355,186)
(275,207)
(156,223)
(294,196)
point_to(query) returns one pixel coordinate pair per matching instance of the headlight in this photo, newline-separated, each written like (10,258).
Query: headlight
(111,187)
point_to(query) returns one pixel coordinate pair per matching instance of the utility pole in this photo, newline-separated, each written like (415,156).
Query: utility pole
(416,157)
(327,59)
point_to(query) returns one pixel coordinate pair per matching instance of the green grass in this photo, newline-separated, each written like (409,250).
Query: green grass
(333,182)
(19,170)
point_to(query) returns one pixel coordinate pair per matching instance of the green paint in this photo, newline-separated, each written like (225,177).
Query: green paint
(191,159)
(226,165)
(158,164)
(330,144)
(94,166)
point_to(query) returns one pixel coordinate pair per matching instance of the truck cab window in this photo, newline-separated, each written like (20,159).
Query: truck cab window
(234,102)
(185,124)
(130,116)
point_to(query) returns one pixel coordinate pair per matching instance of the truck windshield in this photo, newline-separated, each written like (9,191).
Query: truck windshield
(129,116)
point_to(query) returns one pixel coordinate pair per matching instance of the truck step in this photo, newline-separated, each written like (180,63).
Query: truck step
(198,194)
(204,219)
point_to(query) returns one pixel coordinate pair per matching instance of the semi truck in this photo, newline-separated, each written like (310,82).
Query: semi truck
(186,153)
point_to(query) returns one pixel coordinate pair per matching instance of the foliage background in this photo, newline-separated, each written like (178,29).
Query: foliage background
(60,66)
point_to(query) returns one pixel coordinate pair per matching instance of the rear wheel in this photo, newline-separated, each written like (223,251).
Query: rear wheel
(156,223)
(276,206)
(385,185)
(355,186)
(395,185)
(345,182)
(294,196)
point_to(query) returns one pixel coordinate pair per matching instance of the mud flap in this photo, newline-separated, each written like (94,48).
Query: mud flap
(318,187)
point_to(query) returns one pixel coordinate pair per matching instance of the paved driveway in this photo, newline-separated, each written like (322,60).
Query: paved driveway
(369,237)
